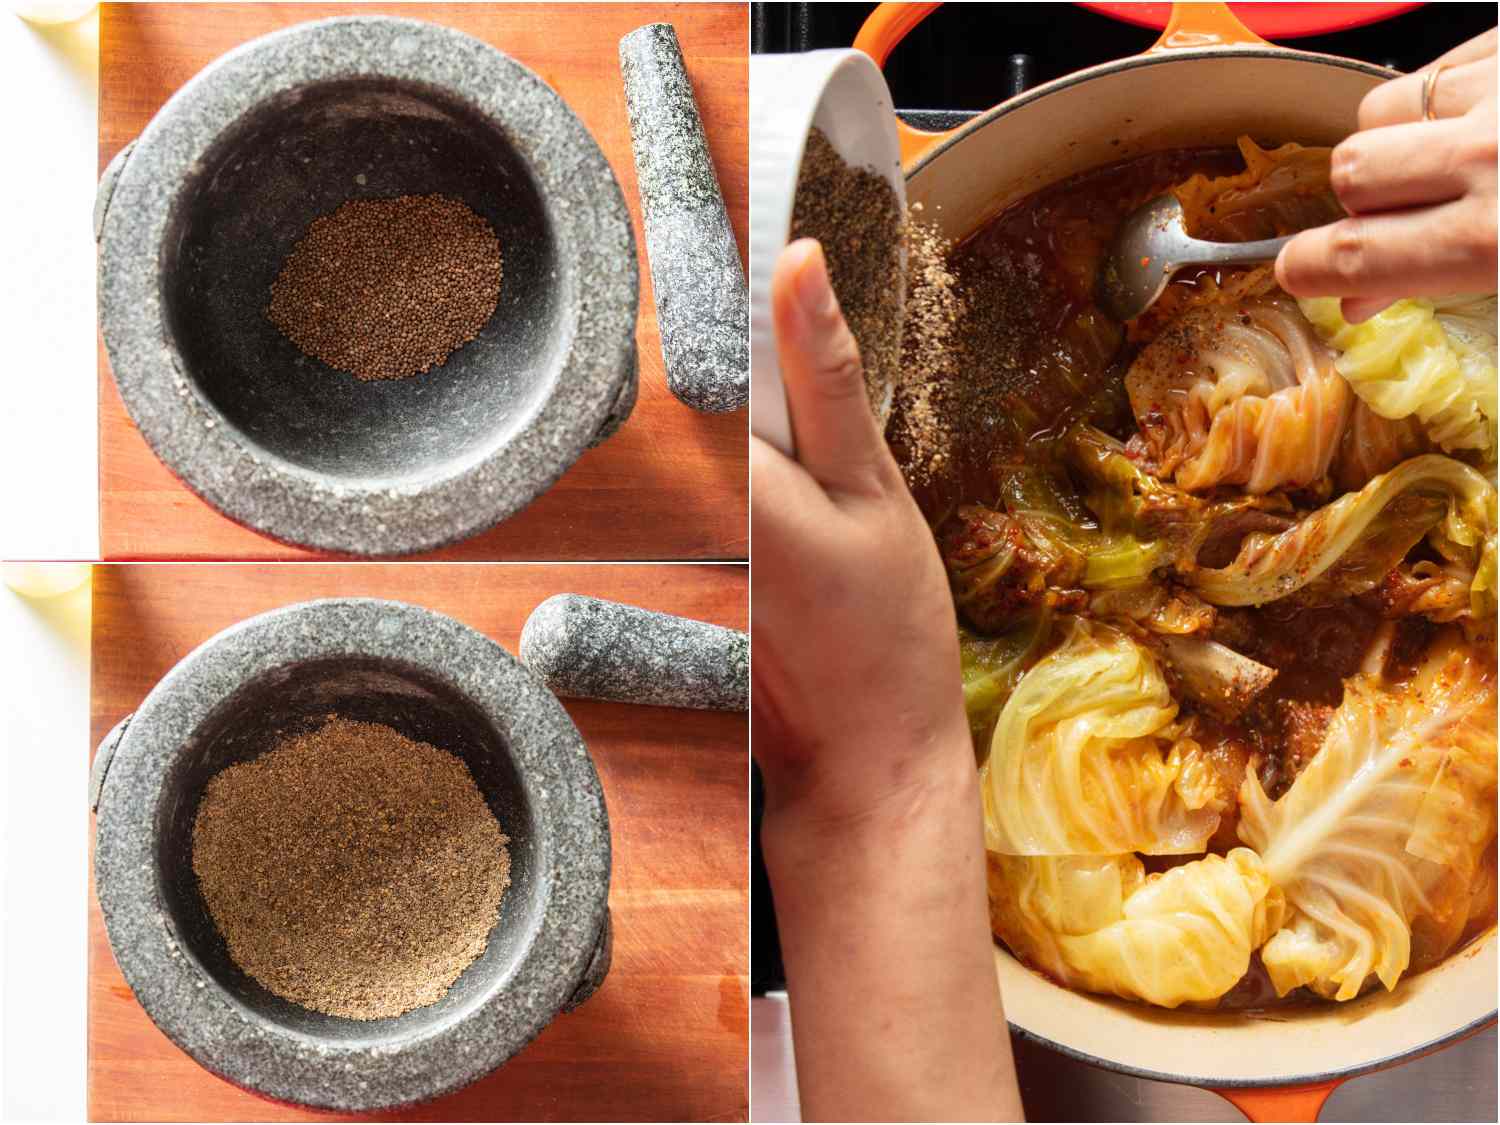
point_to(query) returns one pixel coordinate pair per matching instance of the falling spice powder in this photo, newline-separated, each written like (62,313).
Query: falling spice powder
(351,870)
(386,288)
(923,420)
(857,218)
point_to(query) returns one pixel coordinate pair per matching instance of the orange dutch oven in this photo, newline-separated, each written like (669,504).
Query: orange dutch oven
(1207,80)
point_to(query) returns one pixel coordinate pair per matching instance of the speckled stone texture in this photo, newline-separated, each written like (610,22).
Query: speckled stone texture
(195,223)
(431,678)
(624,404)
(596,649)
(702,307)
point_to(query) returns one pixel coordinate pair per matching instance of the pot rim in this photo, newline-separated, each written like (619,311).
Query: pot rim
(941,146)
(1134,62)
(573,866)
(270,494)
(1312,1078)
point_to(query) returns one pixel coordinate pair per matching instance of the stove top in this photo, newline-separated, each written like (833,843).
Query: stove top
(964,58)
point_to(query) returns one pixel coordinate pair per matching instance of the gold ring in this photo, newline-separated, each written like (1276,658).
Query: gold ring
(1429,84)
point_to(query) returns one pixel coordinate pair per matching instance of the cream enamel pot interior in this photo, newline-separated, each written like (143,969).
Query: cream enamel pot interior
(1207,81)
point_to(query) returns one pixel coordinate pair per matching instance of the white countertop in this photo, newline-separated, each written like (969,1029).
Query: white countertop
(44,821)
(49,77)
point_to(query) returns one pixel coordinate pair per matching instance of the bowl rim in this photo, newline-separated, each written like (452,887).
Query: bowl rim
(573,860)
(272,495)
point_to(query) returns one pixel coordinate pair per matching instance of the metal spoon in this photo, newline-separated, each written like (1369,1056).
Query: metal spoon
(1151,245)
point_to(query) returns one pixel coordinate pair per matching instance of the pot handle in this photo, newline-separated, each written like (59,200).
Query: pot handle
(102,758)
(1204,25)
(1280,1103)
(1190,25)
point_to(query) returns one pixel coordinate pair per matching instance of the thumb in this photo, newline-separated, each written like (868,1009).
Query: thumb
(838,440)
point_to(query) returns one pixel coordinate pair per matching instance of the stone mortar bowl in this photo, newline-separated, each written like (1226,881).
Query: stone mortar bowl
(195,218)
(435,680)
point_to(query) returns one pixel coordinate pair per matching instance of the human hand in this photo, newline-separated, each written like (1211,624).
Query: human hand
(1420,193)
(857,698)
(873,832)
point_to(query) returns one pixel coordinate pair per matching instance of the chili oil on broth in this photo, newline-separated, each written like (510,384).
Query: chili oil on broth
(1034,356)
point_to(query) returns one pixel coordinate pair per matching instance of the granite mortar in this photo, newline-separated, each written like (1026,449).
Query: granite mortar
(433,679)
(195,219)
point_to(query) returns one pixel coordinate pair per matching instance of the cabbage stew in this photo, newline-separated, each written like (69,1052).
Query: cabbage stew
(1225,578)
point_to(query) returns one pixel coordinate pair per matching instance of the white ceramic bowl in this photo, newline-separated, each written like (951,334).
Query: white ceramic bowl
(842,93)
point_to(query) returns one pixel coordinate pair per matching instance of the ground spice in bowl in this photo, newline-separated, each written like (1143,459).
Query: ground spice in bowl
(351,870)
(856,217)
(387,288)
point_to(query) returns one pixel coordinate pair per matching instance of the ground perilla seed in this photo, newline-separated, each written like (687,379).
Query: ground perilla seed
(386,288)
(351,870)
(855,216)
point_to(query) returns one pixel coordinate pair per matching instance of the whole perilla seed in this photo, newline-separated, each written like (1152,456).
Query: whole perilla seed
(386,288)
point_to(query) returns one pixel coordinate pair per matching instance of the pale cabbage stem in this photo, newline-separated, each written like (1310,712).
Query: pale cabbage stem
(1308,839)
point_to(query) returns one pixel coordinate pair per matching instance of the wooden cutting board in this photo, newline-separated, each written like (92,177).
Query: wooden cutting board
(666,1037)
(670,485)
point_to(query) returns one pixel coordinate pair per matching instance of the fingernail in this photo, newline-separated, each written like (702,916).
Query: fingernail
(1357,310)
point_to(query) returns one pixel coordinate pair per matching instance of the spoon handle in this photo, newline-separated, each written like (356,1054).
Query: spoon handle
(1200,253)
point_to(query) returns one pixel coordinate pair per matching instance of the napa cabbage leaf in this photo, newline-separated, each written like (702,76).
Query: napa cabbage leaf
(1099,923)
(1040,549)
(1240,394)
(1372,445)
(1347,547)
(1000,574)
(1439,591)
(1166,525)
(991,667)
(1046,505)
(1434,360)
(1281,191)
(1156,607)
(1087,759)
(1383,834)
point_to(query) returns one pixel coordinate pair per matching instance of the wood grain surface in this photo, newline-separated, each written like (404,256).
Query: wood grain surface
(665,1038)
(670,485)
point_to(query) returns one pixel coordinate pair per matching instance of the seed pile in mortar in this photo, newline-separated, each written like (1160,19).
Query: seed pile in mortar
(351,870)
(856,217)
(386,288)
